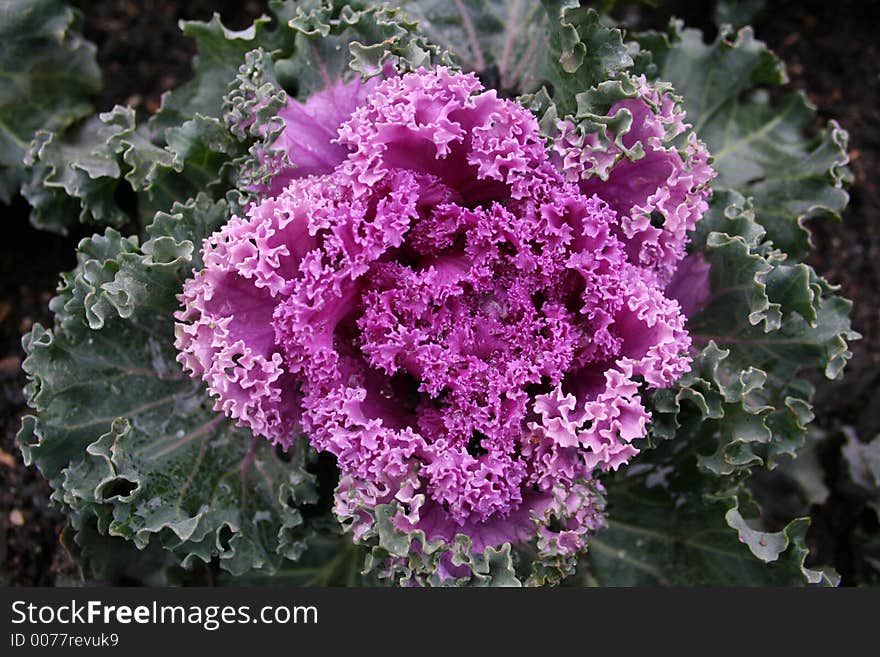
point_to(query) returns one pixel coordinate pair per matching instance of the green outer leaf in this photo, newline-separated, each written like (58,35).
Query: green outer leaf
(334,39)
(48,75)
(748,369)
(250,112)
(742,405)
(586,56)
(194,160)
(74,178)
(503,40)
(126,439)
(331,559)
(251,106)
(77,177)
(220,52)
(759,147)
(789,544)
(665,529)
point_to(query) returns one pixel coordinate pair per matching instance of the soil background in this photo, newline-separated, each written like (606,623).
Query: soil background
(831,50)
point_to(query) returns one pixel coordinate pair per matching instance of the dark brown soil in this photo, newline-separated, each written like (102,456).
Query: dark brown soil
(832,54)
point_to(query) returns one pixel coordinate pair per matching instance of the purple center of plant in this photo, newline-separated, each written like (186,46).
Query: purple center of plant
(460,319)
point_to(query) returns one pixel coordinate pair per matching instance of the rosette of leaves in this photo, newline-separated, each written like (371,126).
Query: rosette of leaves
(136,455)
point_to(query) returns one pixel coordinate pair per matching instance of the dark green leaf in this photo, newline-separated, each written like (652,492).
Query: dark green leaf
(505,41)
(72,179)
(760,148)
(220,52)
(666,528)
(49,74)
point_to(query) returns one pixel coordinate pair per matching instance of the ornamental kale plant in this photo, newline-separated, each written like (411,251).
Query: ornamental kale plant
(439,293)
